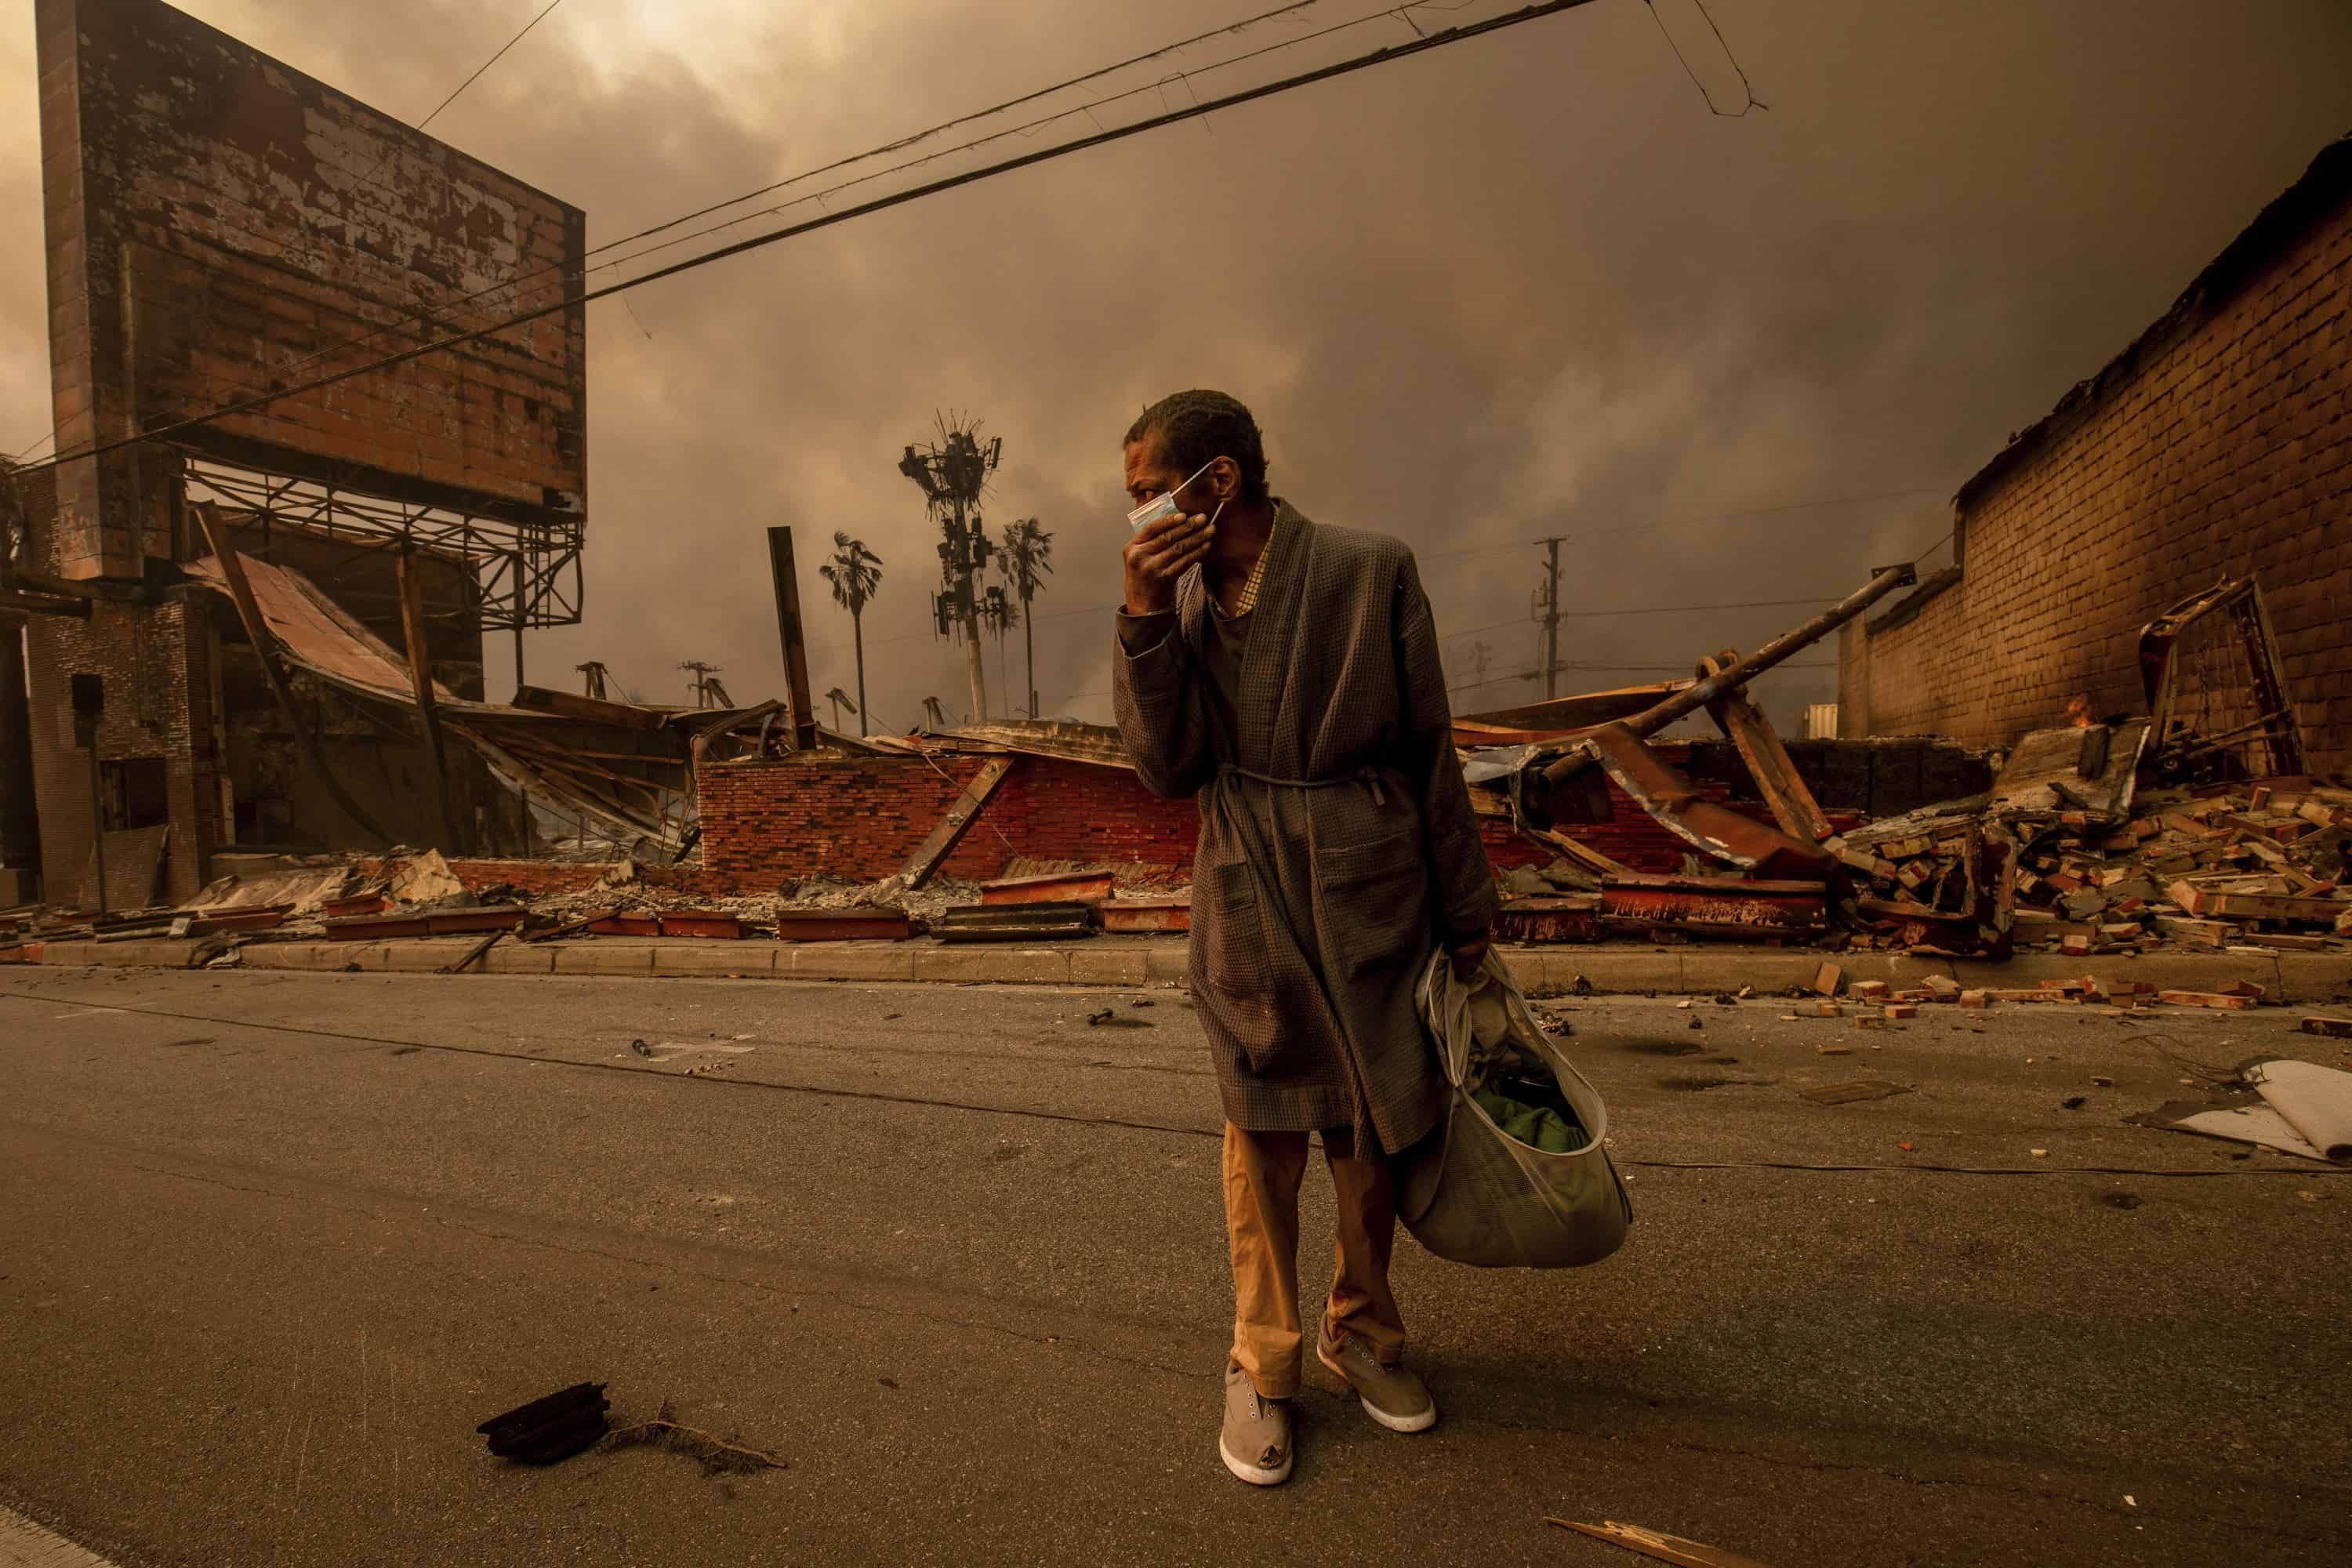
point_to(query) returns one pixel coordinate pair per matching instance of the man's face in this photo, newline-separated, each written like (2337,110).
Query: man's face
(1150,475)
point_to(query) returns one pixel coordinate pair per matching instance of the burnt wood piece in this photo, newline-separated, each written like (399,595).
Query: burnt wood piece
(1015,922)
(842,925)
(1769,763)
(942,840)
(420,681)
(554,1428)
(1713,830)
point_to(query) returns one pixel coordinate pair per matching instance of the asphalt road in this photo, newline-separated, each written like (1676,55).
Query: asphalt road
(271,1245)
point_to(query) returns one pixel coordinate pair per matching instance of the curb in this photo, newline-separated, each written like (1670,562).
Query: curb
(24,1543)
(1126,962)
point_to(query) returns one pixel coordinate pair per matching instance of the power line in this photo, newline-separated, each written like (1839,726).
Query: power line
(450,313)
(485,65)
(1813,505)
(1689,668)
(1474,631)
(1649,610)
(1470,631)
(369,179)
(1746,89)
(1195,110)
(1025,129)
(1174,116)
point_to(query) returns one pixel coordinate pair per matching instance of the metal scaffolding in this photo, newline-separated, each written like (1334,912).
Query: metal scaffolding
(528,572)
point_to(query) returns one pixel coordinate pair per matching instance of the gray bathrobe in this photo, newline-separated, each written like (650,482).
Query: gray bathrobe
(1316,898)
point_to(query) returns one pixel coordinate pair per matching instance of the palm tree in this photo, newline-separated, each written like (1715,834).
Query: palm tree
(856,574)
(1026,559)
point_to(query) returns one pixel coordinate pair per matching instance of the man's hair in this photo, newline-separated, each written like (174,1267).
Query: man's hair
(1196,428)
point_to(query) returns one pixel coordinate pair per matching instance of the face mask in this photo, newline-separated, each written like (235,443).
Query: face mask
(1152,511)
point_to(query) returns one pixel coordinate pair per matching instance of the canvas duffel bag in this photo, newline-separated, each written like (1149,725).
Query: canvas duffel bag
(1473,1194)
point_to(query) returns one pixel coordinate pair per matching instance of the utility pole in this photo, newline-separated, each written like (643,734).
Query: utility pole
(794,643)
(593,675)
(1547,604)
(708,692)
(951,474)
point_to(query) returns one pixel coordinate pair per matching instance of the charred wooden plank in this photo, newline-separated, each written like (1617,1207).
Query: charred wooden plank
(942,840)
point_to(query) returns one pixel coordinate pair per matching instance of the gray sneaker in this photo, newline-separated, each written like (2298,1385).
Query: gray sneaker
(1392,1395)
(1255,1443)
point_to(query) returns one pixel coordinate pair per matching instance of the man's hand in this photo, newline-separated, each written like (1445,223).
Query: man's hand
(1157,556)
(1469,955)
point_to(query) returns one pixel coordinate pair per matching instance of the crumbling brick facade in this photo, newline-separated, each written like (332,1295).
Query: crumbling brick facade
(2219,444)
(158,685)
(768,822)
(215,221)
(859,817)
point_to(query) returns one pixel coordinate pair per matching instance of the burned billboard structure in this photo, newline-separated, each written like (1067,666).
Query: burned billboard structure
(223,233)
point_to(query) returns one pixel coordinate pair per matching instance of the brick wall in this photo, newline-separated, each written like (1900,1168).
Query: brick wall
(2220,444)
(859,817)
(150,657)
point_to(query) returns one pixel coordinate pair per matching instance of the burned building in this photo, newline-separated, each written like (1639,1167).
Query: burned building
(2217,444)
(223,229)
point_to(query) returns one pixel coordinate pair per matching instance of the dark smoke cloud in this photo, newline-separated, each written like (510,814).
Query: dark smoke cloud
(1525,285)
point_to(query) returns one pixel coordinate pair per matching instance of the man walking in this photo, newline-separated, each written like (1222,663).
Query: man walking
(1286,675)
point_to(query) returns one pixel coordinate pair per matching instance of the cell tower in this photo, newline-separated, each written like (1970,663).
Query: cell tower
(951,472)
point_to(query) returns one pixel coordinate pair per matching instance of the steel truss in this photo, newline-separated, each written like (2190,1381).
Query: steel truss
(528,573)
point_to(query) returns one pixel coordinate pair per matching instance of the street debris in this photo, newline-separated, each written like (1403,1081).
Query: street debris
(473,954)
(717,1455)
(547,1429)
(1853,1091)
(1656,1544)
(1015,922)
(1088,887)
(2097,840)
(2300,1108)
(2316,1101)
(423,879)
(1112,1018)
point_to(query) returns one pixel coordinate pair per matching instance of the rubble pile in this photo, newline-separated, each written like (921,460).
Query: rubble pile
(621,894)
(2253,864)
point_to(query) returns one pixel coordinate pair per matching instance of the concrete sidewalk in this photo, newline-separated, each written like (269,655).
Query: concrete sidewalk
(1609,969)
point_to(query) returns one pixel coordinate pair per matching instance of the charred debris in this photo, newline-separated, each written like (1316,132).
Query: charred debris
(2105,835)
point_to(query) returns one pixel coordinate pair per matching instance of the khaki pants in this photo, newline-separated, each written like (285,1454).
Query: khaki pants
(1262,1175)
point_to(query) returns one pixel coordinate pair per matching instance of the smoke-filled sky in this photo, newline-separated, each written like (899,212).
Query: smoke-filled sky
(1523,286)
